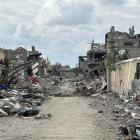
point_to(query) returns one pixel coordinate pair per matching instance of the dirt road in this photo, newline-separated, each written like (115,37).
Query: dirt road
(73,119)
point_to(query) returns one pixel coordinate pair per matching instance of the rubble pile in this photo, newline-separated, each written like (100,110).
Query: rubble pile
(23,101)
(122,108)
(90,87)
(136,89)
(126,114)
(136,86)
(131,132)
(64,89)
(21,84)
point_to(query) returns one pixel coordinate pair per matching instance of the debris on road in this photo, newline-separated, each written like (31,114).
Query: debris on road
(92,87)
(43,116)
(22,101)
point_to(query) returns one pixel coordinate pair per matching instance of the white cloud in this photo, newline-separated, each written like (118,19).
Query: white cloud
(62,28)
(121,15)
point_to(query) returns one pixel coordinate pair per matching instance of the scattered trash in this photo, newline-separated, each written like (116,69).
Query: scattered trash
(43,116)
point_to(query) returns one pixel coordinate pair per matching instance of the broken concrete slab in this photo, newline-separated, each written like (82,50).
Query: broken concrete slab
(27,112)
(3,113)
(43,116)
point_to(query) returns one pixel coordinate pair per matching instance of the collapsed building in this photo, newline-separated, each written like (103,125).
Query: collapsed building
(93,64)
(21,63)
(38,65)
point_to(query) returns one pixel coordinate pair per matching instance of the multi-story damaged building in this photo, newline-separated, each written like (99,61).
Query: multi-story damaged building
(127,65)
(127,44)
(94,62)
(96,58)
(21,63)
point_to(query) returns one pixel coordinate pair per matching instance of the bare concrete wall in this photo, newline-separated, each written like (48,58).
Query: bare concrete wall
(121,78)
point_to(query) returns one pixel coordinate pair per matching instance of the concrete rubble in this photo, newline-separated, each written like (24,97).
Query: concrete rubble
(21,102)
(117,93)
(24,99)
(127,114)
(124,109)
(26,79)
(90,87)
(114,95)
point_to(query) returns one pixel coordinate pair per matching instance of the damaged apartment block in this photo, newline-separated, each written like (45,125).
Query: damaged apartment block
(121,79)
(94,63)
(126,43)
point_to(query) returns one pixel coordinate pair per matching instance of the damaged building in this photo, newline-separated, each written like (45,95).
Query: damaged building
(21,58)
(38,66)
(21,63)
(93,64)
(128,44)
(127,59)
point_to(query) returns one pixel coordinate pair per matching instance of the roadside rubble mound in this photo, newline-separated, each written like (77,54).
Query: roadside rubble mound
(22,101)
(131,127)
(130,132)
(25,97)
(91,87)
(123,109)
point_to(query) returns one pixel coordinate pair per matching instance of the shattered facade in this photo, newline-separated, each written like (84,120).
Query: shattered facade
(127,43)
(21,58)
(94,62)
(19,64)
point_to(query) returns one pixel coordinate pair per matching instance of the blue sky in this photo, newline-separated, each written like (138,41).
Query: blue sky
(62,29)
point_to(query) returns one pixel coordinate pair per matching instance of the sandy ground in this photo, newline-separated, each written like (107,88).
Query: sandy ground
(73,119)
